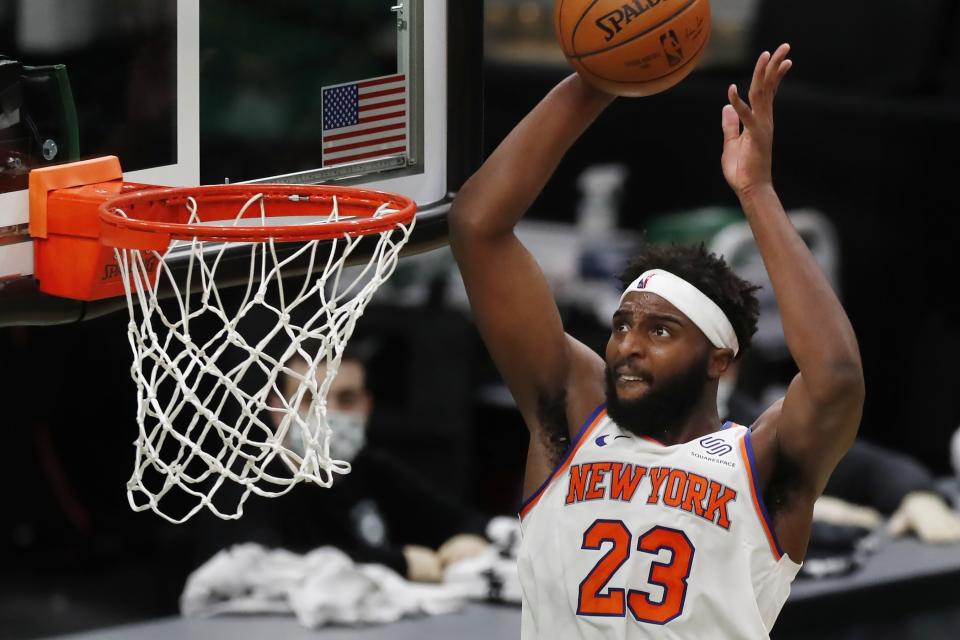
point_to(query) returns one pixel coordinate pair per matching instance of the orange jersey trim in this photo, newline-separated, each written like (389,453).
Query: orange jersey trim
(747,456)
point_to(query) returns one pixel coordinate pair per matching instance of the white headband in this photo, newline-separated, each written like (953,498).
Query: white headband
(692,302)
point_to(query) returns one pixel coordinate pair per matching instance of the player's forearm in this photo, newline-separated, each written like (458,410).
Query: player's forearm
(497,196)
(818,332)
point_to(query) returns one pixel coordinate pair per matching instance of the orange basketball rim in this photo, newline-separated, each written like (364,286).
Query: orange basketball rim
(81,212)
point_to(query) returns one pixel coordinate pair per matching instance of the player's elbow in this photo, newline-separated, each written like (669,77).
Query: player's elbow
(470,220)
(838,375)
(459,219)
(848,371)
(462,226)
(842,386)
(851,385)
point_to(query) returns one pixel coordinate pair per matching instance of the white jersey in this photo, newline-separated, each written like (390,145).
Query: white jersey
(631,539)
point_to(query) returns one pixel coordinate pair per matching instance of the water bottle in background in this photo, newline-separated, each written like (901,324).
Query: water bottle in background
(603,252)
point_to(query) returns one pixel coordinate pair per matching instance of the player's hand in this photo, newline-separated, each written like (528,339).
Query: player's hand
(423,564)
(927,515)
(462,546)
(748,149)
(589,89)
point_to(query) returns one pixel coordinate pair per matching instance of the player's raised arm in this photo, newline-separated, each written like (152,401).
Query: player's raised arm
(821,412)
(512,304)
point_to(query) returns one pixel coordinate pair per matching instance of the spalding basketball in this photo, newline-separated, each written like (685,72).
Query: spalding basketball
(633,47)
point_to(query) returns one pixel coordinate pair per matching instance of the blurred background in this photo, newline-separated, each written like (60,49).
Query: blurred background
(866,162)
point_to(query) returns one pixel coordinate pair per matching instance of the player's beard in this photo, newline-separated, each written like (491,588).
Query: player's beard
(667,404)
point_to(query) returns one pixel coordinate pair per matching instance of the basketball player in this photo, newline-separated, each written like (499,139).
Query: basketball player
(644,516)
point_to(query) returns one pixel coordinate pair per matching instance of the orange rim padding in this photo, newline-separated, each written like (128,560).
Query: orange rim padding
(76,174)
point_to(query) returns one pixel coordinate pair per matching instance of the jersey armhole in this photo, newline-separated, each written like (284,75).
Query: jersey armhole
(571,451)
(756,493)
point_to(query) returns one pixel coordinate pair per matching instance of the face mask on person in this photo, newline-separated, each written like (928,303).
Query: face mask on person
(349,434)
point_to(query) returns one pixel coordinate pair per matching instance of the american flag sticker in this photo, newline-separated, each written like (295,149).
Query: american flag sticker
(364,119)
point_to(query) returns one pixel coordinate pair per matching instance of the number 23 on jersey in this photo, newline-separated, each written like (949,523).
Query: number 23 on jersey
(671,576)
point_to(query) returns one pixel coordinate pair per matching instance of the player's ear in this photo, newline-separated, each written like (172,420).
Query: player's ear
(720,360)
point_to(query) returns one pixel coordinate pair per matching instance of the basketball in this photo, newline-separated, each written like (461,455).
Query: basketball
(633,47)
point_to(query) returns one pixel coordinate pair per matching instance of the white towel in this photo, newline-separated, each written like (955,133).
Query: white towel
(492,576)
(320,588)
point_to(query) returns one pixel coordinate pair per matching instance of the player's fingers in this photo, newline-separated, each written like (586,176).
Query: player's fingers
(766,80)
(756,83)
(776,58)
(730,123)
(762,100)
(759,68)
(741,107)
(785,67)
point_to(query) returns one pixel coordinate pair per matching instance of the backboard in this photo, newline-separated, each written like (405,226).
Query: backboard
(383,93)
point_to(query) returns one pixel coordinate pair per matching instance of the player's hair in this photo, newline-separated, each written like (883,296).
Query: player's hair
(708,273)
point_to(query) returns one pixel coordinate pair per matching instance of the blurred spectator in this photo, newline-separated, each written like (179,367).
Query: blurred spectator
(383,511)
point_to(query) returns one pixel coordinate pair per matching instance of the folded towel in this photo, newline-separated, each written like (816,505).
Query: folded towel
(322,587)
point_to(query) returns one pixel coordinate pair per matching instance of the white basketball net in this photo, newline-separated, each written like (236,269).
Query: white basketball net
(216,415)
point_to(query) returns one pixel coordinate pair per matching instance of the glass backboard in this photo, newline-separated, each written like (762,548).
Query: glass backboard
(384,93)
